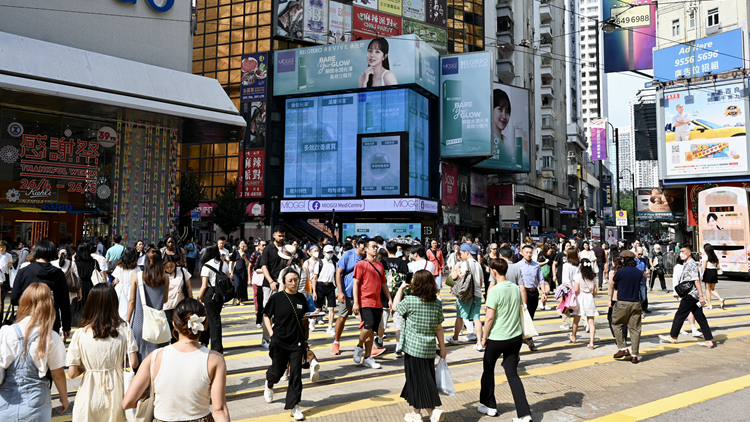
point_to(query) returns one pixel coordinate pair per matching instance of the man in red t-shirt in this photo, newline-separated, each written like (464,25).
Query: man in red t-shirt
(369,282)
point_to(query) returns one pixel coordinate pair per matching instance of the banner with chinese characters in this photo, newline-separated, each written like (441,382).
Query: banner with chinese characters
(251,181)
(450,185)
(436,37)
(710,55)
(390,6)
(414,9)
(370,24)
(370,4)
(598,139)
(340,22)
(254,72)
(437,11)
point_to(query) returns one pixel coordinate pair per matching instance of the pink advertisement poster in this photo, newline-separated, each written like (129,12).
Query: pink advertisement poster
(450,185)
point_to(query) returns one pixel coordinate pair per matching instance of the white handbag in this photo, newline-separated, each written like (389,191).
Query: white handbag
(155,327)
(96,276)
(527,324)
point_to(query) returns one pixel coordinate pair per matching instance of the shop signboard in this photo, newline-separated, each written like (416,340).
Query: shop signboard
(450,185)
(630,46)
(251,180)
(343,66)
(710,55)
(621,218)
(340,22)
(509,124)
(359,205)
(315,26)
(437,11)
(478,190)
(390,6)
(607,195)
(500,195)
(466,105)
(436,37)
(660,204)
(369,24)
(702,132)
(414,9)
(254,77)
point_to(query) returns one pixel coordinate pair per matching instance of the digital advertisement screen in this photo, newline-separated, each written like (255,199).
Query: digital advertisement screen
(510,129)
(320,157)
(380,171)
(321,147)
(660,204)
(704,132)
(387,230)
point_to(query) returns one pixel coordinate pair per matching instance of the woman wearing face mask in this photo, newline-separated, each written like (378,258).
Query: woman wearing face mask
(324,285)
(240,264)
(140,249)
(310,268)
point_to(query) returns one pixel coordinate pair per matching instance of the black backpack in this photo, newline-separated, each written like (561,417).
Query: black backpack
(224,290)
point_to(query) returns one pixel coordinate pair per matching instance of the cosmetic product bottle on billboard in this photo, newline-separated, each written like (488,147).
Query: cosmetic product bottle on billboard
(302,73)
(452,121)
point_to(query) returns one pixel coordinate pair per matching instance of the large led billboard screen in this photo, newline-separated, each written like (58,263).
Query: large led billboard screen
(322,147)
(509,122)
(630,46)
(703,132)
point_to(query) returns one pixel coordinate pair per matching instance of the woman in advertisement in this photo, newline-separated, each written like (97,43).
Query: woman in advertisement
(378,71)
(505,148)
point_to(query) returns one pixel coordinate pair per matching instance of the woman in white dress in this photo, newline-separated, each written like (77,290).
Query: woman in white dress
(589,254)
(123,275)
(97,351)
(584,283)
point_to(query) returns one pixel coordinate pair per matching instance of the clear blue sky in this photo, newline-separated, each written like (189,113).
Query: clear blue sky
(620,87)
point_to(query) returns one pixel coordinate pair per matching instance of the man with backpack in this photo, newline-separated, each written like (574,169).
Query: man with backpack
(467,289)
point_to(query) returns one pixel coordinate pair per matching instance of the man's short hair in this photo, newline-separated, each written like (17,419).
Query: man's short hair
(362,240)
(688,247)
(117,238)
(418,250)
(279,229)
(506,252)
(378,239)
(222,238)
(391,247)
(527,246)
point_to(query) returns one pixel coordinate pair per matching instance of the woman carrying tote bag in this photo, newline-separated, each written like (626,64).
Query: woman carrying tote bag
(147,287)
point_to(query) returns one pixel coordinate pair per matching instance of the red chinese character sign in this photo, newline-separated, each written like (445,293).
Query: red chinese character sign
(251,178)
(370,24)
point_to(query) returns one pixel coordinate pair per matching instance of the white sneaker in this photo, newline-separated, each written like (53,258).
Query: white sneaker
(371,363)
(314,370)
(412,417)
(450,340)
(526,418)
(486,410)
(683,332)
(437,416)
(265,344)
(471,337)
(478,348)
(312,325)
(587,328)
(697,333)
(331,331)
(358,354)
(268,393)
(297,414)
(285,377)
(564,327)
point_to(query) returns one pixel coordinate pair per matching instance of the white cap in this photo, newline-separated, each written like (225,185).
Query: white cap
(328,248)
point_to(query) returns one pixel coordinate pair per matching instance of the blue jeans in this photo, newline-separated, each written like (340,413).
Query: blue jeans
(644,295)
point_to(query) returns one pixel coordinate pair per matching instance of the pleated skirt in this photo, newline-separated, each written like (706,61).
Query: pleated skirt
(420,390)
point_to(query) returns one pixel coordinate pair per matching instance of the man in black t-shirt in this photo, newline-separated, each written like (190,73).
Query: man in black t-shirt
(396,272)
(271,264)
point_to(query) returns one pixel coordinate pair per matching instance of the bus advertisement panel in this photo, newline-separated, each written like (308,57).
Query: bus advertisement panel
(723,223)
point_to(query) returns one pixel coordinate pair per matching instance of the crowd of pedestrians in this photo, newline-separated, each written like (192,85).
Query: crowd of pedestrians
(140,330)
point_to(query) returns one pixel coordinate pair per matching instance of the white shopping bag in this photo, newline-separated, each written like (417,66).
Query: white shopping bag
(443,378)
(527,324)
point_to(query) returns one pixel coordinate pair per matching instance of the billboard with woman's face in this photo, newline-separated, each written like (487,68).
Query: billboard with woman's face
(510,129)
(723,223)
(373,63)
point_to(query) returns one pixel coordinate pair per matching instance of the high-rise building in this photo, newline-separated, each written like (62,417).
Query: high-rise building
(626,157)
(592,82)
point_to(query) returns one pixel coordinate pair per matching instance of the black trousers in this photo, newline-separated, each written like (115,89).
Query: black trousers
(600,266)
(280,358)
(611,329)
(532,301)
(509,349)
(213,315)
(661,280)
(259,307)
(690,304)
(191,265)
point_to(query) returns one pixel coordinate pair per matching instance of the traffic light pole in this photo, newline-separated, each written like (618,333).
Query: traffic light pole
(333,223)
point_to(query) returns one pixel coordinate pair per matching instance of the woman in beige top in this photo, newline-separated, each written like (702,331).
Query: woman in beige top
(178,289)
(202,374)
